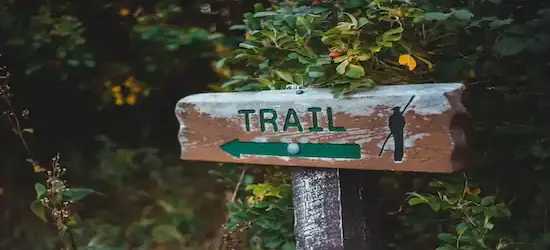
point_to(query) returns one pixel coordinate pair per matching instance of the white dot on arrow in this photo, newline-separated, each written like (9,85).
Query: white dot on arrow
(293,148)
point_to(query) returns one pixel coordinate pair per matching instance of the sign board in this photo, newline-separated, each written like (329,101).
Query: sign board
(398,128)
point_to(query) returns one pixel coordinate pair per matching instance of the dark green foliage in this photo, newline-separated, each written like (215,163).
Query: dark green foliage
(499,49)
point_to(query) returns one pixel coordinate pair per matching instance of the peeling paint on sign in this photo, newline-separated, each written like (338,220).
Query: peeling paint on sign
(255,127)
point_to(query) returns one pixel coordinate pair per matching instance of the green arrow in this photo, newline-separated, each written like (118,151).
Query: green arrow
(237,148)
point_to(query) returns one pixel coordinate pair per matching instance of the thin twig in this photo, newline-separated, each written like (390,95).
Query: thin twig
(238,185)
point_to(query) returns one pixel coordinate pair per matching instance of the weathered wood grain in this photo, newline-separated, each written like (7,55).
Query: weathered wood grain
(337,209)
(433,135)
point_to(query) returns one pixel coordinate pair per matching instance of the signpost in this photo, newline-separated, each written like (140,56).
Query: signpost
(417,127)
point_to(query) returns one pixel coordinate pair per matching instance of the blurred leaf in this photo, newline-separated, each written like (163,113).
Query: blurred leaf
(447,237)
(38,209)
(461,228)
(285,76)
(341,68)
(166,233)
(463,14)
(436,16)
(355,71)
(75,194)
(288,246)
(264,14)
(509,46)
(40,190)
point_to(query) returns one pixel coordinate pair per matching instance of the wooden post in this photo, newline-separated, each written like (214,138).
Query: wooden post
(336,209)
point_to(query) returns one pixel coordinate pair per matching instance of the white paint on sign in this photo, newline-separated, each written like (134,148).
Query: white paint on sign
(430,99)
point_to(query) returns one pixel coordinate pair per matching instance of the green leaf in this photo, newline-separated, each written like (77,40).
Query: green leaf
(32,69)
(73,62)
(89,63)
(462,227)
(353,3)
(288,246)
(285,76)
(499,23)
(229,83)
(240,77)
(362,22)
(509,46)
(463,14)
(344,26)
(488,200)
(393,35)
(265,13)
(341,68)
(315,74)
(416,200)
(446,237)
(352,18)
(446,247)
(76,194)
(355,71)
(149,32)
(340,59)
(166,233)
(323,61)
(38,209)
(172,46)
(238,27)
(15,42)
(250,86)
(364,57)
(436,16)
(40,190)
(273,243)
(221,63)
(434,205)
(246,45)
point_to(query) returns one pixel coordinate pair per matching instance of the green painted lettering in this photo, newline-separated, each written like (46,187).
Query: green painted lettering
(295,123)
(331,126)
(315,119)
(272,120)
(246,113)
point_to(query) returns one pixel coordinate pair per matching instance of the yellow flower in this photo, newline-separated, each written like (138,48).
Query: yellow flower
(124,12)
(225,72)
(407,60)
(116,89)
(129,82)
(118,99)
(221,48)
(37,168)
(131,99)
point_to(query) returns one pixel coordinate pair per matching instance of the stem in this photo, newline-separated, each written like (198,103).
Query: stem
(63,233)
(238,185)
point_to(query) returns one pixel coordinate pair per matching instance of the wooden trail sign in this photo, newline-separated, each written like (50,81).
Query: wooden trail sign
(413,127)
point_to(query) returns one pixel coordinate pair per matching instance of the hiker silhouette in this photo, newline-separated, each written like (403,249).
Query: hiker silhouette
(397,127)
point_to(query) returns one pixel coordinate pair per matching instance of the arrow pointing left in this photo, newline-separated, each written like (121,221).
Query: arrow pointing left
(238,148)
